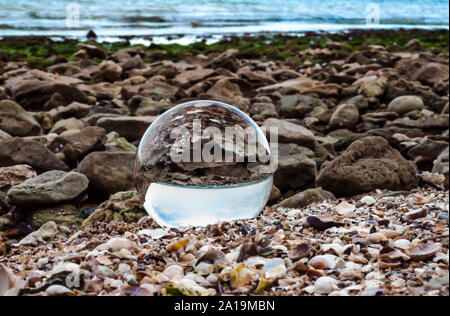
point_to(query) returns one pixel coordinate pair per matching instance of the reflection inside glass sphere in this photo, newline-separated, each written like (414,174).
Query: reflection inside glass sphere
(203,162)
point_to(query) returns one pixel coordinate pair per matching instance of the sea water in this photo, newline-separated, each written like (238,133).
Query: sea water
(178,206)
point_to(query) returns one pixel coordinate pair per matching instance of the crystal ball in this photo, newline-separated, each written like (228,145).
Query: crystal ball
(203,162)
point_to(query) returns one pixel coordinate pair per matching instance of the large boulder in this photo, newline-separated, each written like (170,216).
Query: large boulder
(441,165)
(49,188)
(16,121)
(368,164)
(289,132)
(307,197)
(109,172)
(16,151)
(34,89)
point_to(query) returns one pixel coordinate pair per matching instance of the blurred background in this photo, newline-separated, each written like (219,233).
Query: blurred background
(185,20)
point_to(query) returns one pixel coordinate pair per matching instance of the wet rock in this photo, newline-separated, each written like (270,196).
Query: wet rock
(134,62)
(47,232)
(441,166)
(306,198)
(121,207)
(109,173)
(431,73)
(51,187)
(67,215)
(16,151)
(226,91)
(345,116)
(297,106)
(77,145)
(132,128)
(368,164)
(14,175)
(296,168)
(405,104)
(16,121)
(191,77)
(34,88)
(289,132)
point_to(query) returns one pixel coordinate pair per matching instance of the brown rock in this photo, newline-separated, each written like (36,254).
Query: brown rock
(132,128)
(14,175)
(109,173)
(306,198)
(368,164)
(289,132)
(16,121)
(16,151)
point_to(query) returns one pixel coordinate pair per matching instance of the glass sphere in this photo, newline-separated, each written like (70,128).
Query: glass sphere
(203,162)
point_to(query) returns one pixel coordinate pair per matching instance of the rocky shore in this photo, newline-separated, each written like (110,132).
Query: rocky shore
(360,202)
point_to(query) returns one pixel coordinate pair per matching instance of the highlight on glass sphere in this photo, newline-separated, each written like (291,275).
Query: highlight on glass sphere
(203,162)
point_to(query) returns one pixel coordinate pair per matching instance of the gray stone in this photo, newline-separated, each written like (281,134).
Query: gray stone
(405,104)
(130,127)
(49,188)
(306,198)
(345,116)
(441,165)
(16,151)
(290,133)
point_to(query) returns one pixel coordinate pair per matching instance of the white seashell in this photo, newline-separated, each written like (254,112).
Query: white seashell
(204,268)
(402,244)
(117,244)
(174,272)
(154,233)
(10,285)
(325,285)
(368,200)
(345,209)
(65,267)
(58,290)
(276,273)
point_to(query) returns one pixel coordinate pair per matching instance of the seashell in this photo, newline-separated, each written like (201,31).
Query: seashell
(402,244)
(215,256)
(189,287)
(326,262)
(423,252)
(65,267)
(346,209)
(357,259)
(398,255)
(416,214)
(241,275)
(177,245)
(376,238)
(247,250)
(300,251)
(368,200)
(10,285)
(390,234)
(349,274)
(154,233)
(117,244)
(325,285)
(276,273)
(337,248)
(174,272)
(204,268)
(273,263)
(386,262)
(136,291)
(58,290)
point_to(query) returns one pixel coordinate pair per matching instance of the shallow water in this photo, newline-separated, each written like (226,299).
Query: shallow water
(176,206)
(158,18)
